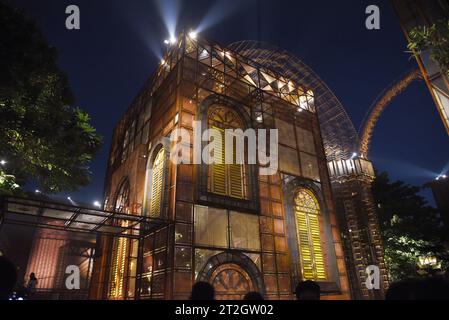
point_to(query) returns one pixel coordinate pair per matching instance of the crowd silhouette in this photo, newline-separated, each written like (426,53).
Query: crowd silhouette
(202,291)
(411,289)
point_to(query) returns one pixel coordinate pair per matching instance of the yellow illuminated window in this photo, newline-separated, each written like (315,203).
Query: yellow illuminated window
(225,179)
(307,213)
(157,184)
(120,247)
(118,267)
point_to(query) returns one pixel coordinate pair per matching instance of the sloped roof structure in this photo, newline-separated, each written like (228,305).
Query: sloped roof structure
(339,135)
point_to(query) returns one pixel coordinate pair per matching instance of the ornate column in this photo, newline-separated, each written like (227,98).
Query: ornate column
(351,184)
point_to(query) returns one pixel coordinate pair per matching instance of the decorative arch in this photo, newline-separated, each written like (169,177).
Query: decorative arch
(120,246)
(379,105)
(222,191)
(308,234)
(234,264)
(156,193)
(225,179)
(216,99)
(291,189)
(121,198)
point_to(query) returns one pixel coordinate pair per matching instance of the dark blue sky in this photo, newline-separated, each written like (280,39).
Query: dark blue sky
(117,48)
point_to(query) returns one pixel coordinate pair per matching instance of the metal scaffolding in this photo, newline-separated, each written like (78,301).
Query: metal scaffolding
(69,226)
(64,217)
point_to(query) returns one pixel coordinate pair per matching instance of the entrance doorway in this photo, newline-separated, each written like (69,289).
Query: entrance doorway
(231,282)
(233,275)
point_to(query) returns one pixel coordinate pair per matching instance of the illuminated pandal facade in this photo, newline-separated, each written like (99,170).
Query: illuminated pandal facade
(351,173)
(227,224)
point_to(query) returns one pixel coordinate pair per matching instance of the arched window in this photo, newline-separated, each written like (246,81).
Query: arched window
(120,246)
(121,203)
(307,216)
(157,184)
(225,179)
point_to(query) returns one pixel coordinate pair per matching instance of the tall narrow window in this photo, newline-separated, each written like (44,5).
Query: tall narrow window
(225,179)
(307,212)
(120,246)
(157,184)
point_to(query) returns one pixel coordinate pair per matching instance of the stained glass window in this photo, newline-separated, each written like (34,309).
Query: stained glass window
(307,214)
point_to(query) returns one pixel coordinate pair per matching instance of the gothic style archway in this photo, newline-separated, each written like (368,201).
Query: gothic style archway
(250,202)
(233,274)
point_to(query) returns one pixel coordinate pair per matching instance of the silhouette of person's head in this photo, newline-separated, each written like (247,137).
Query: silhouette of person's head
(202,291)
(33,276)
(253,296)
(433,289)
(308,290)
(8,278)
(402,290)
(414,289)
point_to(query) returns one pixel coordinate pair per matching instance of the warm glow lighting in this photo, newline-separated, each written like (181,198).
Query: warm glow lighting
(303,102)
(170,41)
(193,35)
(427,261)
(308,232)
(157,184)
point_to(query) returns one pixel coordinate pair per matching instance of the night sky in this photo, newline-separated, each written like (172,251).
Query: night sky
(120,44)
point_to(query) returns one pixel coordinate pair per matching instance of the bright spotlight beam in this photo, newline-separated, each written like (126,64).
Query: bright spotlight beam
(169,11)
(219,11)
(193,35)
